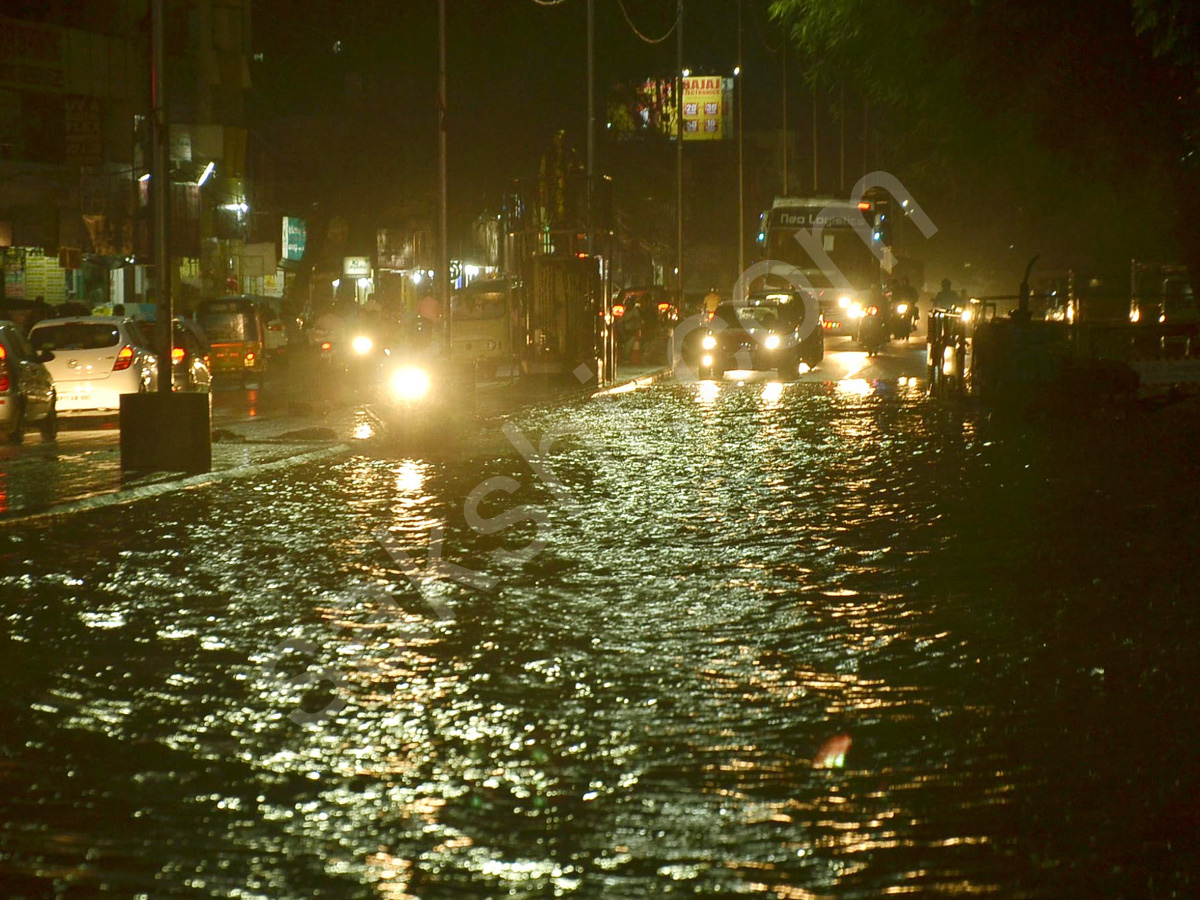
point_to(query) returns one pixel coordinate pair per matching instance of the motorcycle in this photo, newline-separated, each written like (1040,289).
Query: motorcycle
(873,330)
(422,399)
(902,317)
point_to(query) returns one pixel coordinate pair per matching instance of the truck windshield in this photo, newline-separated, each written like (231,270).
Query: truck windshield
(476,305)
(846,250)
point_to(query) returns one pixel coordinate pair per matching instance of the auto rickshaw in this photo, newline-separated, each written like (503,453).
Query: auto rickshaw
(236,333)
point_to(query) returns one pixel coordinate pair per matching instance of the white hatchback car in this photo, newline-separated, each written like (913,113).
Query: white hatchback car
(96,360)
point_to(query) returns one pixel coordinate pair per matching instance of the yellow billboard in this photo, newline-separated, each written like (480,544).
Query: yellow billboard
(707,108)
(650,107)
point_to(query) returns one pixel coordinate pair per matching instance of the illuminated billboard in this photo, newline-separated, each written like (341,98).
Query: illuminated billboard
(650,108)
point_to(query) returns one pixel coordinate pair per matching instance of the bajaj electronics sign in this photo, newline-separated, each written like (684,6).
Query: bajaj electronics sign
(650,108)
(707,108)
(295,235)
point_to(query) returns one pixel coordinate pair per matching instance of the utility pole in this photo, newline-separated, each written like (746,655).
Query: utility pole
(842,128)
(679,152)
(741,157)
(785,130)
(159,189)
(591,122)
(443,275)
(814,136)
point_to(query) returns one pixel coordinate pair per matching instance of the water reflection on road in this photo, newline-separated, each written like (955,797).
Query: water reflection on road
(1003,620)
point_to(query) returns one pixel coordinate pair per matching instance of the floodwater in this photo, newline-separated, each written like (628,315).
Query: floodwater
(674,607)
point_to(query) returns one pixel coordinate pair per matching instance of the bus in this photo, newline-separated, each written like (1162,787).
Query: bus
(854,282)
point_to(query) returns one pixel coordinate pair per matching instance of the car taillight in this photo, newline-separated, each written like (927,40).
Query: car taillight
(177,355)
(872,310)
(618,310)
(325,345)
(4,383)
(124,359)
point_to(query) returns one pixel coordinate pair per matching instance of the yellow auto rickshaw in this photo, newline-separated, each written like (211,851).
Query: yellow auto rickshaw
(236,332)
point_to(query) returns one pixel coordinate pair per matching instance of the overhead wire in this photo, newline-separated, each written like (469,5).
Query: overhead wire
(634,28)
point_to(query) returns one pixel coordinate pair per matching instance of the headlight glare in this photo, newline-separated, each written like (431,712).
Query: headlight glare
(709,342)
(410,383)
(772,341)
(362,345)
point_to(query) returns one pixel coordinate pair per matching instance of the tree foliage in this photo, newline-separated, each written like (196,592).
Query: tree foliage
(1050,107)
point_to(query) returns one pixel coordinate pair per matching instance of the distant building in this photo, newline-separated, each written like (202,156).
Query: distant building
(74,150)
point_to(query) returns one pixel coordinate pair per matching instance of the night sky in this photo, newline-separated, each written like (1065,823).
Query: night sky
(1081,104)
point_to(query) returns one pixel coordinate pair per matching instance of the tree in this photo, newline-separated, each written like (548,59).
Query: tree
(1074,119)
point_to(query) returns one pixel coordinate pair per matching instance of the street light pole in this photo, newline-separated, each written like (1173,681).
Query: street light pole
(741,157)
(785,130)
(591,121)
(159,188)
(679,152)
(443,277)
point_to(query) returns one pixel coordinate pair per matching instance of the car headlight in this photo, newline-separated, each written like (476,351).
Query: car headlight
(844,302)
(902,308)
(709,342)
(410,383)
(1135,315)
(362,345)
(856,311)
(772,342)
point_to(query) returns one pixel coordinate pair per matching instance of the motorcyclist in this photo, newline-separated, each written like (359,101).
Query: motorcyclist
(947,298)
(904,294)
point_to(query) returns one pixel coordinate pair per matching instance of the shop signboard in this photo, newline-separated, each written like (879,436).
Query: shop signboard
(356,266)
(295,237)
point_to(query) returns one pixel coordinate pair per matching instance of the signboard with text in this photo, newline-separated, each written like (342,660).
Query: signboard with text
(295,237)
(650,108)
(356,266)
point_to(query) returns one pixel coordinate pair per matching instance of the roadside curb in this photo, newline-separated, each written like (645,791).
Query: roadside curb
(639,381)
(149,491)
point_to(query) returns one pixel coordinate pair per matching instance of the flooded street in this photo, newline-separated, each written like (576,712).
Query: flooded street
(654,624)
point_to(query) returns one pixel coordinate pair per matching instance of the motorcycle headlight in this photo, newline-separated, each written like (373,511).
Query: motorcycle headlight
(362,345)
(410,383)
(902,308)
(965,315)
(772,342)
(709,342)
(844,302)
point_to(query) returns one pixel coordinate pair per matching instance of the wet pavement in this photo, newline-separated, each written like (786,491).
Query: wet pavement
(599,648)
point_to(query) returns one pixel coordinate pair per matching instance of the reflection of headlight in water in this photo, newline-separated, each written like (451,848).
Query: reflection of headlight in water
(772,341)
(410,383)
(709,342)
(362,345)
(902,308)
